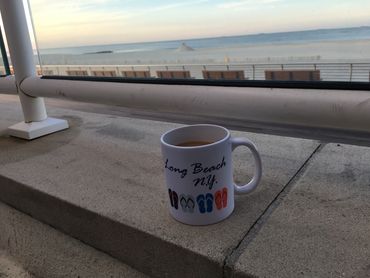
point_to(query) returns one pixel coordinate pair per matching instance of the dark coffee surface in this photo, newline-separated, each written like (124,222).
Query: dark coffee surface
(194,143)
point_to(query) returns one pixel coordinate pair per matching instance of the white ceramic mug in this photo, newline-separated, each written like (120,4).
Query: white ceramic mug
(200,178)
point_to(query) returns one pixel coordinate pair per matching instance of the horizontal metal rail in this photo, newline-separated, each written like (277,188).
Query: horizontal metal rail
(322,109)
(327,115)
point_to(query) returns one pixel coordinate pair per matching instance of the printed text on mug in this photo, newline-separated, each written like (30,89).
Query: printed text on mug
(208,177)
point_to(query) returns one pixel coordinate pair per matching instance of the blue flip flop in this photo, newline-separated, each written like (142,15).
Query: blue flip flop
(209,198)
(201,203)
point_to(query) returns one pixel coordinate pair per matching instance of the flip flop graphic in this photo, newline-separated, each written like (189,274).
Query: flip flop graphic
(170,194)
(209,198)
(183,203)
(201,203)
(187,203)
(224,197)
(175,200)
(190,204)
(218,199)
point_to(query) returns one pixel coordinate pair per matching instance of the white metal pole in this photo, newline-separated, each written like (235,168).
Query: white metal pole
(36,123)
(21,53)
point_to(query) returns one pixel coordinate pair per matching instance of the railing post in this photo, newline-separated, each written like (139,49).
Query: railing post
(36,123)
(350,72)
(4,54)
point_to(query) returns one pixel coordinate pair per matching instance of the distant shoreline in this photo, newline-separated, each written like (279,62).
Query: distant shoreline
(319,51)
(100,52)
(303,32)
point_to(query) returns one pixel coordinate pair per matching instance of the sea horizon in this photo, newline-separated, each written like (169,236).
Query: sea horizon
(312,35)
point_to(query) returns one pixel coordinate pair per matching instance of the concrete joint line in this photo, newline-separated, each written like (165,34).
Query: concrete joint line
(233,256)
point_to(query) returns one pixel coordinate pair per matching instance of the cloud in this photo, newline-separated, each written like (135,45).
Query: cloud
(243,3)
(72,12)
(71,4)
(144,10)
(75,21)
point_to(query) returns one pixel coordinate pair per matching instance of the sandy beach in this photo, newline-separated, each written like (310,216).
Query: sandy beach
(337,60)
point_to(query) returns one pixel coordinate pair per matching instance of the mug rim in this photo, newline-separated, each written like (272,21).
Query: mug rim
(227,136)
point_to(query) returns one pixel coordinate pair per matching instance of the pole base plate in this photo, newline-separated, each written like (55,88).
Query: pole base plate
(34,130)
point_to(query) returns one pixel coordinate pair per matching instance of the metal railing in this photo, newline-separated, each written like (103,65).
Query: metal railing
(313,111)
(347,72)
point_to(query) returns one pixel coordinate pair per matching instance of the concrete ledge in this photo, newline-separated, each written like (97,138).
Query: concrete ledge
(9,267)
(322,227)
(46,252)
(101,181)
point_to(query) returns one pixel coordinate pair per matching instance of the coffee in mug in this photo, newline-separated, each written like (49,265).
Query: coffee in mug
(193,143)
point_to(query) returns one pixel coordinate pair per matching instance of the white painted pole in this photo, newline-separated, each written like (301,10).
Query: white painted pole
(21,53)
(36,123)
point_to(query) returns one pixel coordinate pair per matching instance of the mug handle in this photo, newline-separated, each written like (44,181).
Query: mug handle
(249,187)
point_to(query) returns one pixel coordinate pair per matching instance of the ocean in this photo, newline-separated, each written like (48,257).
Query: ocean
(339,54)
(283,38)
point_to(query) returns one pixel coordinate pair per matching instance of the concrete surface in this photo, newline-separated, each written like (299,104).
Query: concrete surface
(10,268)
(322,227)
(46,252)
(102,181)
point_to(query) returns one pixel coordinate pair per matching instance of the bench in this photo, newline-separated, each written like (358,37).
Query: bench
(136,73)
(293,75)
(45,72)
(171,74)
(77,72)
(224,74)
(104,73)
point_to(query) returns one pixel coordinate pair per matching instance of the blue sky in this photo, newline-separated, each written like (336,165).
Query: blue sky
(86,22)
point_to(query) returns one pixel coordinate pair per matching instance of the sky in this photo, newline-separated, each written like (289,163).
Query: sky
(91,22)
